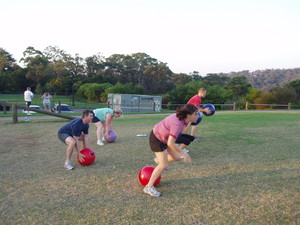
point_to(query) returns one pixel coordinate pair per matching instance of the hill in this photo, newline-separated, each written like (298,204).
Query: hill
(266,79)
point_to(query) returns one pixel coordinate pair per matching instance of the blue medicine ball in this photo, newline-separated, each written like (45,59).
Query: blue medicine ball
(199,119)
(211,108)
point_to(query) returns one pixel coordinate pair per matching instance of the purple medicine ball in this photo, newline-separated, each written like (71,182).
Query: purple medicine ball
(113,136)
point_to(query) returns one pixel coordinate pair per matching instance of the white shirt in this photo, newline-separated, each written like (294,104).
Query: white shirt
(28,96)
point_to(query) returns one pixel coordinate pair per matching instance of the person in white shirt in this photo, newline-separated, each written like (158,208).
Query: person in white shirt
(28,96)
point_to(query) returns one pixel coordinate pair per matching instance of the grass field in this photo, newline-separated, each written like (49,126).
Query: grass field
(245,170)
(37,100)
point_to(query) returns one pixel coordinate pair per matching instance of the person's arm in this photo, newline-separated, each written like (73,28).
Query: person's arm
(108,125)
(204,110)
(85,141)
(186,128)
(80,156)
(174,147)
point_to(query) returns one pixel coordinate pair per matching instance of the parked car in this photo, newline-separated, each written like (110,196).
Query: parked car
(34,107)
(64,108)
(2,107)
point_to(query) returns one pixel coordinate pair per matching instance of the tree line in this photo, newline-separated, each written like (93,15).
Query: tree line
(92,78)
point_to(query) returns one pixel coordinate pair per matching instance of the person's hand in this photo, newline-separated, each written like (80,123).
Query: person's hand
(187,158)
(107,137)
(207,111)
(80,157)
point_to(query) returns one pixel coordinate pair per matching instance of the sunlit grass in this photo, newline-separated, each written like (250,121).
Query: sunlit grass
(245,171)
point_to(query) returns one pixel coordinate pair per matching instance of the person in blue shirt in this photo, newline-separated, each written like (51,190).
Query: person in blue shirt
(102,120)
(73,132)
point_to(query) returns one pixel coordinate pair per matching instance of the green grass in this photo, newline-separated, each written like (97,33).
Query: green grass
(245,170)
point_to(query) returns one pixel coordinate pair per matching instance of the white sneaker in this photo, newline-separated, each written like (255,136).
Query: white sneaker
(68,166)
(152,191)
(99,142)
(103,139)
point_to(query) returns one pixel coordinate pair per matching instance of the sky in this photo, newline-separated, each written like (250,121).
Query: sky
(208,36)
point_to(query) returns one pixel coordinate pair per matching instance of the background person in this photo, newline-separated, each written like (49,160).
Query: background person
(46,101)
(196,101)
(72,133)
(163,142)
(28,96)
(103,121)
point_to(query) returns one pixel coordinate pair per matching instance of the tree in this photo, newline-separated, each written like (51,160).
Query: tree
(179,79)
(283,95)
(238,86)
(158,79)
(295,85)
(93,92)
(61,64)
(264,98)
(37,65)
(214,79)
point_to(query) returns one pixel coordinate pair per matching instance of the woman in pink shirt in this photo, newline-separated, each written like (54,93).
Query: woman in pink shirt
(164,139)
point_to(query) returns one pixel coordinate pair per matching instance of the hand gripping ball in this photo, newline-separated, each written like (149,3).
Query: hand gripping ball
(211,108)
(145,175)
(89,156)
(113,136)
(198,120)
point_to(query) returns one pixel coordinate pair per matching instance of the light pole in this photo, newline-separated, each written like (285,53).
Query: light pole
(72,75)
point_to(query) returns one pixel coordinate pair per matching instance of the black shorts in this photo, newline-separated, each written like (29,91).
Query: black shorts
(63,137)
(185,139)
(95,119)
(155,144)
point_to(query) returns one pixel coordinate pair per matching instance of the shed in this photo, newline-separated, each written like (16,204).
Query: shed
(134,102)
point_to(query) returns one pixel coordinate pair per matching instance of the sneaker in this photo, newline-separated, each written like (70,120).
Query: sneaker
(103,139)
(197,139)
(186,150)
(100,143)
(68,166)
(152,191)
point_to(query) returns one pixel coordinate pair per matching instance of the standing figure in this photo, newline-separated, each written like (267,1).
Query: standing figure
(28,96)
(73,132)
(164,139)
(196,101)
(103,121)
(46,101)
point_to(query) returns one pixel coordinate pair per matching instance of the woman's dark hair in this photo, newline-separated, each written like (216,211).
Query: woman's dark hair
(183,111)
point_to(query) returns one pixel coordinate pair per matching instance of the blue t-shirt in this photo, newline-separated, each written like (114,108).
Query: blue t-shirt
(75,128)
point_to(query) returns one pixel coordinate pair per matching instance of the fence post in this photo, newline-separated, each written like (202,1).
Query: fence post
(289,106)
(59,107)
(234,106)
(246,105)
(14,113)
